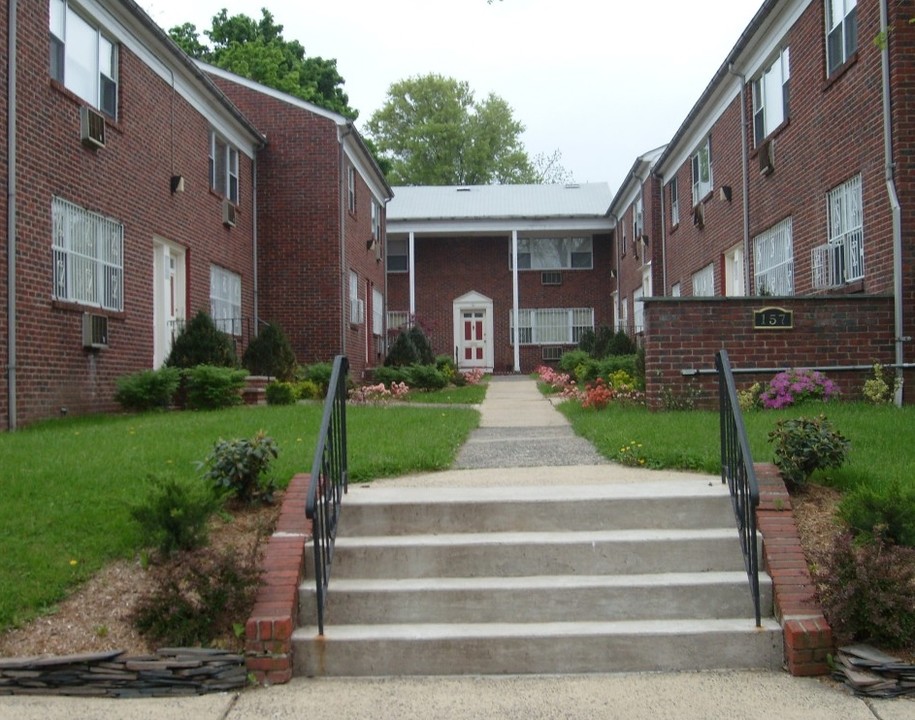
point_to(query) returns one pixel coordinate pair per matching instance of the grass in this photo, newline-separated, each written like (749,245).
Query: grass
(451,395)
(882,438)
(69,484)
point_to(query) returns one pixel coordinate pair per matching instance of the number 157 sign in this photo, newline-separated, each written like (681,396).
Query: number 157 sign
(773,318)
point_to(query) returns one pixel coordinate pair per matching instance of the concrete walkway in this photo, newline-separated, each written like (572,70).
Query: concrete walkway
(521,440)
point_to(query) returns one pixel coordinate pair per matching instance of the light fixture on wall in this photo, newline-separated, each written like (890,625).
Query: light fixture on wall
(177,184)
(371,243)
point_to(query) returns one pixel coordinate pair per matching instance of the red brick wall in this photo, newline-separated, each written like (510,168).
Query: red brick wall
(157,134)
(447,268)
(685,333)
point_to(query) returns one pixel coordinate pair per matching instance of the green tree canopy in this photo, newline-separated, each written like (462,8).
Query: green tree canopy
(434,133)
(257,50)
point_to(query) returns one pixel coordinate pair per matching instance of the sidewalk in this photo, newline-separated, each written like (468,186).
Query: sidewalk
(523,438)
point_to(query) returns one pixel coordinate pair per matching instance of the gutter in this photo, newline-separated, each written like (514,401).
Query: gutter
(895,207)
(11,212)
(616,244)
(344,273)
(660,180)
(745,178)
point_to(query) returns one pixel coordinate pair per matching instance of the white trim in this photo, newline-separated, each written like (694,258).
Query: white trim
(493,225)
(474,301)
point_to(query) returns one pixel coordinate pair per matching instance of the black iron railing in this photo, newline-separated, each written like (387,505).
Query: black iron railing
(738,472)
(328,481)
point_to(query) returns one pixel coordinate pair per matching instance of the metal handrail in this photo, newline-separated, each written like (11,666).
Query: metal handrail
(329,477)
(738,472)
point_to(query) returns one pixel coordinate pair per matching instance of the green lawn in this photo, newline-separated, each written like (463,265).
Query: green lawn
(452,395)
(68,484)
(882,437)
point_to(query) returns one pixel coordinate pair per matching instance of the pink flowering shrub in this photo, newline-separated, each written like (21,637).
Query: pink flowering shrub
(473,377)
(796,385)
(378,394)
(557,381)
(597,395)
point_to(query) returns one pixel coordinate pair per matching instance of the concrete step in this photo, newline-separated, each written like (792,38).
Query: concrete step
(535,553)
(545,599)
(370,510)
(545,648)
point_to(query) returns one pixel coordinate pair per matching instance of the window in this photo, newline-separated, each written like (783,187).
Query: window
(704,282)
(624,315)
(675,290)
(398,319)
(841,32)
(554,253)
(770,97)
(733,272)
(398,261)
(674,203)
(377,312)
(702,171)
(376,220)
(88,251)
(638,310)
(551,326)
(773,253)
(223,167)
(351,188)
(637,221)
(83,58)
(225,299)
(841,260)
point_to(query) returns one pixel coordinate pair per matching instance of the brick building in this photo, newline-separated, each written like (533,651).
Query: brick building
(450,268)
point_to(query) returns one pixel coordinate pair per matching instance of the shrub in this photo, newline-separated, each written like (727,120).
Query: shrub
(270,354)
(174,514)
(281,393)
(378,394)
(148,389)
(199,598)
(597,395)
(868,591)
(445,365)
(200,342)
(319,374)
(389,375)
(805,445)
(615,363)
(236,467)
(307,390)
(422,345)
(470,377)
(210,387)
(570,360)
(797,385)
(403,351)
(749,398)
(890,507)
(882,387)
(622,344)
(425,377)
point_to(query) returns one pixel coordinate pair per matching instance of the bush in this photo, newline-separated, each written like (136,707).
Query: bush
(148,389)
(793,386)
(445,365)
(270,354)
(281,393)
(307,390)
(868,591)
(425,377)
(609,366)
(622,344)
(388,376)
(174,514)
(236,467)
(199,598)
(882,387)
(319,374)
(422,345)
(890,507)
(570,360)
(805,445)
(200,342)
(210,387)
(403,352)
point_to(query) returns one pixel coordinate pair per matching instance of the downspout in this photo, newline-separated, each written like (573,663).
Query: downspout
(660,181)
(515,303)
(616,244)
(411,260)
(745,177)
(11,214)
(257,318)
(895,208)
(344,273)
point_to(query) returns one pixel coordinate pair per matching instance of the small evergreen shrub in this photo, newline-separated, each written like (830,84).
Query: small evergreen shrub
(210,387)
(805,445)
(403,352)
(281,393)
(148,389)
(422,345)
(319,374)
(307,390)
(270,354)
(621,344)
(200,342)
(198,598)
(390,375)
(174,514)
(868,591)
(237,467)
(889,506)
(425,377)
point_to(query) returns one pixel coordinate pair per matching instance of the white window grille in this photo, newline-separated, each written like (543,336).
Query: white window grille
(568,253)
(356,306)
(842,260)
(702,171)
(225,300)
(223,167)
(773,253)
(398,319)
(841,32)
(704,282)
(770,97)
(88,252)
(551,326)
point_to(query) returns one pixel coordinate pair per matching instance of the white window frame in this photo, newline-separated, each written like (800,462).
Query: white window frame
(733,272)
(377,312)
(675,290)
(551,326)
(225,300)
(704,281)
(351,188)
(356,304)
(841,33)
(701,168)
(845,219)
(773,260)
(554,253)
(398,320)
(83,58)
(376,220)
(398,253)
(223,167)
(674,202)
(638,221)
(771,97)
(638,310)
(88,257)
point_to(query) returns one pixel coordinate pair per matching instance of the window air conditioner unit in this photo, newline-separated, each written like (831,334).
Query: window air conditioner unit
(229,213)
(91,127)
(551,353)
(357,311)
(95,331)
(551,277)
(766,158)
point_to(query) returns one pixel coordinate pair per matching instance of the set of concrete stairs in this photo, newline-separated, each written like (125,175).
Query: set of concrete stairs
(632,574)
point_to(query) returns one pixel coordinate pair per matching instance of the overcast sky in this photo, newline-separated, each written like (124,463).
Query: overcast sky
(602,81)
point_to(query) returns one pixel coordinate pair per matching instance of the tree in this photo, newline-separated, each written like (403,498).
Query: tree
(434,133)
(549,170)
(257,50)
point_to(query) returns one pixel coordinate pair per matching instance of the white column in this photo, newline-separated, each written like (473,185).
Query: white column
(515,306)
(412,268)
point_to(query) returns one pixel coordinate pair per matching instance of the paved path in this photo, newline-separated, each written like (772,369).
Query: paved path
(527,441)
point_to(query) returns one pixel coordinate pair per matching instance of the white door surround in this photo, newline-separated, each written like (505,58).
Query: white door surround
(473,323)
